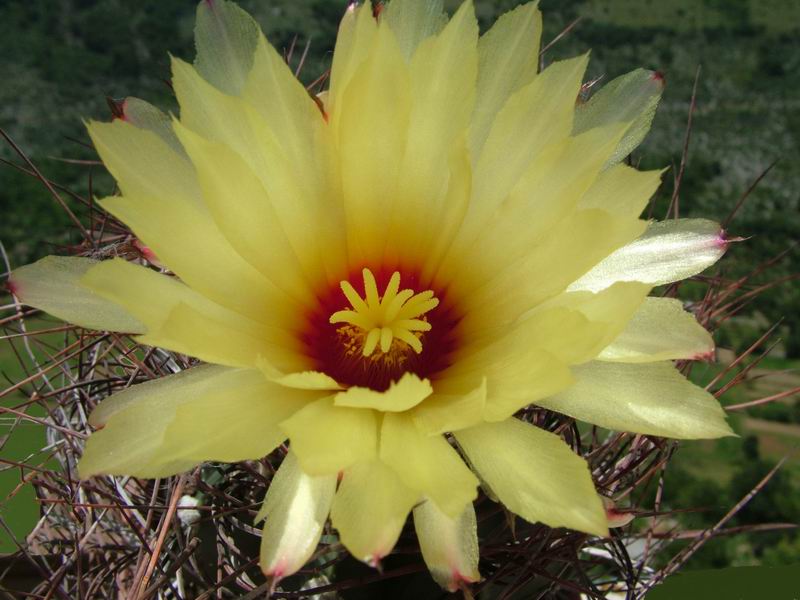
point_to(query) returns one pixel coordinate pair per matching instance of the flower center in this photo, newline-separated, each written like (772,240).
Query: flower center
(381,322)
(368,331)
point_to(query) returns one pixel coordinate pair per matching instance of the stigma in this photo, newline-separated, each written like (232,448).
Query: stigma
(388,322)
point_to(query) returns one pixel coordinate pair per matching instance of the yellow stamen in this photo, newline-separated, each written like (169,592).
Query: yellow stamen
(383,320)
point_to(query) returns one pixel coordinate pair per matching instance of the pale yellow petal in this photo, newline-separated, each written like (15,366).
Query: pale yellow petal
(178,318)
(442,83)
(660,330)
(413,21)
(353,45)
(166,426)
(533,118)
(144,115)
(303,380)
(164,208)
(509,60)
(306,147)
(427,464)
(372,131)
(182,386)
(144,164)
(547,193)
(402,395)
(288,109)
(329,438)
(516,374)
(652,398)
(296,182)
(370,509)
(535,475)
(296,508)
(576,327)
(571,249)
(246,216)
(449,544)
(441,413)
(237,424)
(52,284)
(631,98)
(225,37)
(622,190)
(668,251)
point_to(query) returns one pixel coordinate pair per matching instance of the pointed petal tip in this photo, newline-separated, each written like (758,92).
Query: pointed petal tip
(659,78)
(724,240)
(708,356)
(614,516)
(11,286)
(461,582)
(374,561)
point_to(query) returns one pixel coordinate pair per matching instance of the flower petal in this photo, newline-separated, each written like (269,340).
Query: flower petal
(449,545)
(370,509)
(668,251)
(53,284)
(571,327)
(508,60)
(442,413)
(246,216)
(516,376)
(579,242)
(187,240)
(442,82)
(660,330)
(533,118)
(602,317)
(622,190)
(401,395)
(329,438)
(412,22)
(182,386)
(535,475)
(427,464)
(294,176)
(143,163)
(631,98)
(178,318)
(296,508)
(548,192)
(226,38)
(353,45)
(652,398)
(144,115)
(168,425)
(372,131)
(302,380)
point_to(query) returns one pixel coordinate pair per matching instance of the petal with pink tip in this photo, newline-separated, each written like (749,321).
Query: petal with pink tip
(295,508)
(449,545)
(370,509)
(668,251)
(53,284)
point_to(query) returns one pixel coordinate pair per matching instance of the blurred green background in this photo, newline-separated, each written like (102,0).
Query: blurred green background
(59,61)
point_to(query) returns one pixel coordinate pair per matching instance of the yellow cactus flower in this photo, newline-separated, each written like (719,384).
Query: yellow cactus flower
(385,274)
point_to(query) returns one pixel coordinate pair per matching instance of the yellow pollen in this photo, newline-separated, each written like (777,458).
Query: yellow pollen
(382,320)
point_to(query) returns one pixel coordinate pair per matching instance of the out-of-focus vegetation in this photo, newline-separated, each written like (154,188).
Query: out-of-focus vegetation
(60,59)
